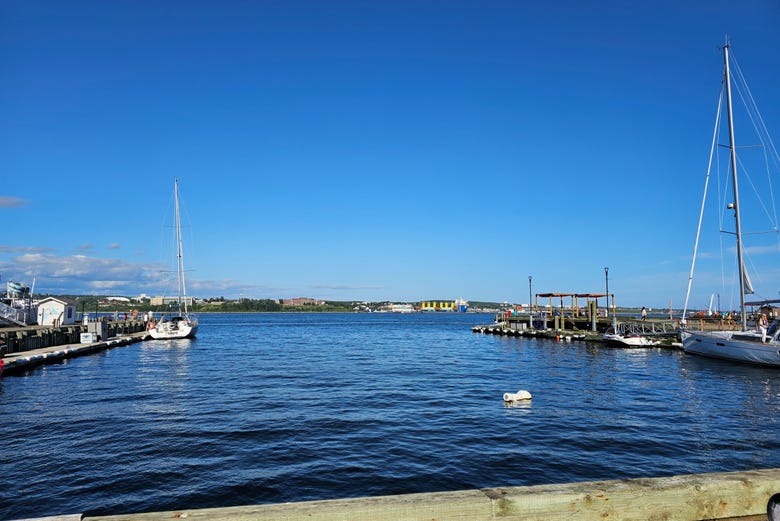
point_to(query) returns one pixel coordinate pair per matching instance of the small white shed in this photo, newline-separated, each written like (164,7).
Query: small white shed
(53,311)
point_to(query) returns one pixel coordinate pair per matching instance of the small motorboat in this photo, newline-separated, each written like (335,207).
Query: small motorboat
(627,340)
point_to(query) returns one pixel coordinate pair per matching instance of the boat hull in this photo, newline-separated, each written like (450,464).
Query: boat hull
(726,346)
(174,329)
(628,341)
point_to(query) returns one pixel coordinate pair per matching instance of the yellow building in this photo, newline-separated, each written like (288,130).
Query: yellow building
(437,305)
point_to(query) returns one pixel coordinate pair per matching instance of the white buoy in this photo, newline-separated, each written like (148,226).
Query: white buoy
(517,397)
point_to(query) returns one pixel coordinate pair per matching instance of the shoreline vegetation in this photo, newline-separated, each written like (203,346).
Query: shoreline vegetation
(107,304)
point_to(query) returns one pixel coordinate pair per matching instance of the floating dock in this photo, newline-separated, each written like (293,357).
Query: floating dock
(19,362)
(15,339)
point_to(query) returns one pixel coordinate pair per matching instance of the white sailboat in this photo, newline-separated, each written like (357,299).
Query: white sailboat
(747,345)
(178,323)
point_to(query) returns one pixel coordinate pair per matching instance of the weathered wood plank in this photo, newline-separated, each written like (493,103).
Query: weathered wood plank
(683,498)
(690,497)
(460,505)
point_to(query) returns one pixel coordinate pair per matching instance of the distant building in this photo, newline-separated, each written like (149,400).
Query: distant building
(53,311)
(302,301)
(437,305)
(401,308)
(459,305)
(164,301)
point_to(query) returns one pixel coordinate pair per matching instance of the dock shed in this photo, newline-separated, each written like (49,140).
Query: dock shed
(53,311)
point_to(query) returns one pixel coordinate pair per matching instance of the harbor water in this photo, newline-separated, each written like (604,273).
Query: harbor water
(266,408)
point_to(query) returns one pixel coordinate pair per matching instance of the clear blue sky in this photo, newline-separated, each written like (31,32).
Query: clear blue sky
(398,150)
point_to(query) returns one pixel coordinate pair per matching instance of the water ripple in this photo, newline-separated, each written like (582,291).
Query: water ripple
(273,408)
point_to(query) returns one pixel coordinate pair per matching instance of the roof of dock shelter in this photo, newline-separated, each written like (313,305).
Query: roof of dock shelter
(61,300)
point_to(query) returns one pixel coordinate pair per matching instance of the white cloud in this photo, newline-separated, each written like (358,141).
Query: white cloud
(85,274)
(81,273)
(761,250)
(21,249)
(344,287)
(7,201)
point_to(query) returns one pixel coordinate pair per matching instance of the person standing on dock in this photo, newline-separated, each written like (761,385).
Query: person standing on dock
(644,313)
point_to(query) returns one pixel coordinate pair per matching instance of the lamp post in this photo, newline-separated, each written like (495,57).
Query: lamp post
(606,278)
(530,305)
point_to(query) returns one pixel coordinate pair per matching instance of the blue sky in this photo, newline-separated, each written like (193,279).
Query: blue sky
(346,150)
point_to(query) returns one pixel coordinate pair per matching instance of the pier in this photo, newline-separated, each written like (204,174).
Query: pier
(696,497)
(26,338)
(562,327)
(24,348)
(578,322)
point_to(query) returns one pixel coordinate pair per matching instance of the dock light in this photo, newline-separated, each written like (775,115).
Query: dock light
(773,508)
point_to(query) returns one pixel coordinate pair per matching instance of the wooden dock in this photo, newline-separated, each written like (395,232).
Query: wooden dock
(20,361)
(568,329)
(696,497)
(22,348)
(17,339)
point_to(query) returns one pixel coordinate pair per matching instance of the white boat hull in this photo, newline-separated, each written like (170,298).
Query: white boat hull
(734,346)
(628,341)
(169,330)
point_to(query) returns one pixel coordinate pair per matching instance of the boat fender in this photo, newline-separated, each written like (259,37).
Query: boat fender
(517,397)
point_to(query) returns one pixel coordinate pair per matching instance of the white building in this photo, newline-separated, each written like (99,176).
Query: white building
(162,301)
(53,311)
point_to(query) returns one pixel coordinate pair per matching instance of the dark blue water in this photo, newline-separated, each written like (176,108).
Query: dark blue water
(276,407)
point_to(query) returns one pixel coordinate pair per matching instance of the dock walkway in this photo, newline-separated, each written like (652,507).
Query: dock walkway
(19,362)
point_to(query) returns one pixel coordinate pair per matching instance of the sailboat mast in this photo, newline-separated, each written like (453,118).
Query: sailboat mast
(180,257)
(737,221)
